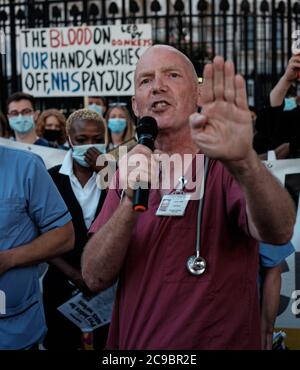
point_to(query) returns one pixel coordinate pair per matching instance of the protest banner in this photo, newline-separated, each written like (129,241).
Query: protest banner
(51,156)
(288,173)
(81,61)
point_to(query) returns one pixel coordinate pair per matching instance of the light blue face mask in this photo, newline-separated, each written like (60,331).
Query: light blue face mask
(78,152)
(289,104)
(117,125)
(97,108)
(21,124)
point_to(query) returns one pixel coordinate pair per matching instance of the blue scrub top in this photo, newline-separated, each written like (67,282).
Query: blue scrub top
(273,255)
(30,205)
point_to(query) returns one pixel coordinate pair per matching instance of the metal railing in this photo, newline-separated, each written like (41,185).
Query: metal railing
(256,35)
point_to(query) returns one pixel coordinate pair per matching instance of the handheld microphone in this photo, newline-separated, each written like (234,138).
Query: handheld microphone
(147,131)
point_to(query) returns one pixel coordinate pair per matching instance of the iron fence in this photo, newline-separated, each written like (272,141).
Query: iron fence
(256,35)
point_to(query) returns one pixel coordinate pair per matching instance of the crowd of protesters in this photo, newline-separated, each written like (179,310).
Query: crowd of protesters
(40,206)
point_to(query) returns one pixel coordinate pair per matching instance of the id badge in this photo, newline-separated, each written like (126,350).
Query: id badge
(173,205)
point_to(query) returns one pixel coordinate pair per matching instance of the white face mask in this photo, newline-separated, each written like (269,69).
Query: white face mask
(79,151)
(21,124)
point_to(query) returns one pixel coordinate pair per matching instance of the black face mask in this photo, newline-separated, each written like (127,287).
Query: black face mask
(52,135)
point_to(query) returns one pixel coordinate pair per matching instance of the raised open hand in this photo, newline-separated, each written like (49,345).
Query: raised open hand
(223,130)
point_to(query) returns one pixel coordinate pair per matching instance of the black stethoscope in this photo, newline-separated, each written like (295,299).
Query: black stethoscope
(196,264)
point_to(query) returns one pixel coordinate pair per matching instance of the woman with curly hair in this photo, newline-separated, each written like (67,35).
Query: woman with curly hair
(51,125)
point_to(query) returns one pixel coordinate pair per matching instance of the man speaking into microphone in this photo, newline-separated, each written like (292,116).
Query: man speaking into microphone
(187,268)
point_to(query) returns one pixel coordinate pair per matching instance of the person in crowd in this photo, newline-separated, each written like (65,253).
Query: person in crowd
(22,117)
(35,225)
(97,104)
(3,126)
(51,125)
(76,182)
(161,303)
(271,259)
(277,128)
(120,125)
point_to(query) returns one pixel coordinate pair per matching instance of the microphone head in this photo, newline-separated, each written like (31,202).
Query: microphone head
(147,126)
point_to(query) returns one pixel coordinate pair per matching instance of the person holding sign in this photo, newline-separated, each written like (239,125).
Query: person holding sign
(278,128)
(76,182)
(189,281)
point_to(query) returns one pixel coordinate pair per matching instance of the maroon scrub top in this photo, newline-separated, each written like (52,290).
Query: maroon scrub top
(159,304)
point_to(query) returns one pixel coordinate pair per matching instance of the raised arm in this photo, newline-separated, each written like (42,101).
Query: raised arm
(279,92)
(223,131)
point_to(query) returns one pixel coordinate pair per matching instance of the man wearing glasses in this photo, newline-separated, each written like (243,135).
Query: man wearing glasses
(21,116)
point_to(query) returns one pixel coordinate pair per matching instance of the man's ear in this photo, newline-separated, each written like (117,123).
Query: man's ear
(134,106)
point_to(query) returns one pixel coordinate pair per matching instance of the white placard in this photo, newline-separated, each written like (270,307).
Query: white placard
(281,168)
(90,314)
(51,156)
(82,61)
